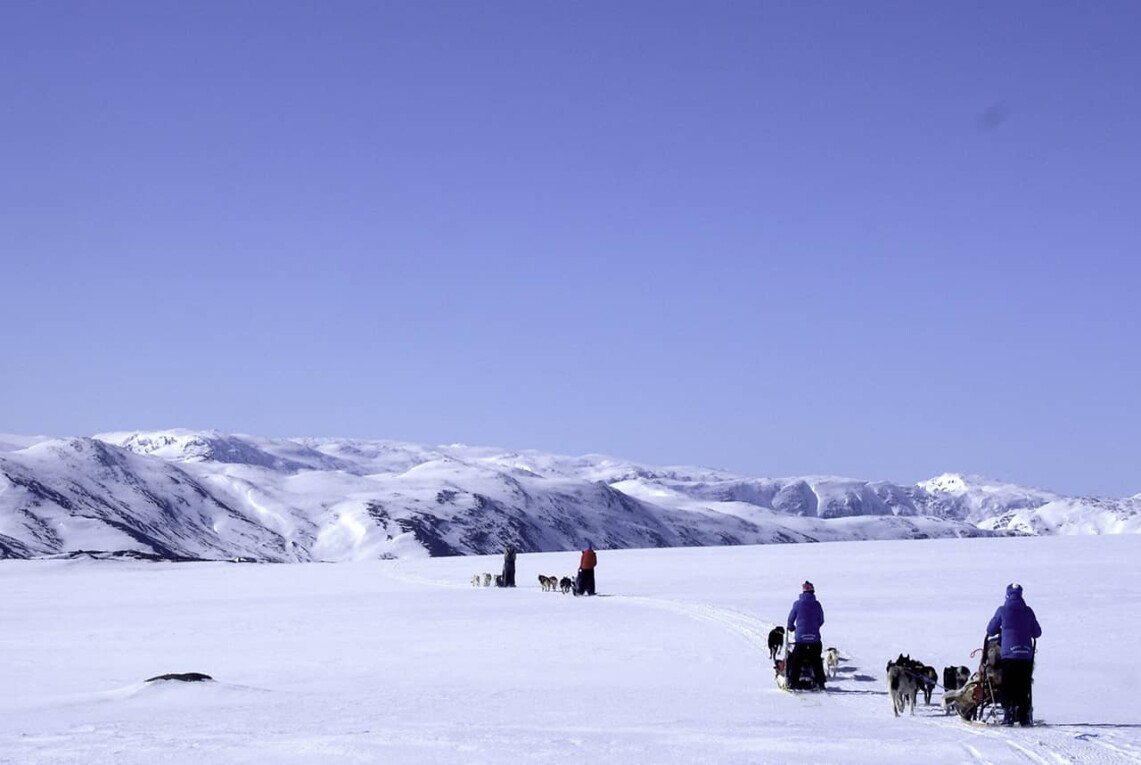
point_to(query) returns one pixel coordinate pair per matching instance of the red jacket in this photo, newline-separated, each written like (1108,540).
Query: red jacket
(589,560)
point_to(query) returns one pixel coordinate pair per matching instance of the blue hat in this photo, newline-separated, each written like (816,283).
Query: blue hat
(1013,589)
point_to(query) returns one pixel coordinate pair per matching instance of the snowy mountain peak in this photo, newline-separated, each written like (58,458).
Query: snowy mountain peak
(181,445)
(172,445)
(950,483)
(190,446)
(982,486)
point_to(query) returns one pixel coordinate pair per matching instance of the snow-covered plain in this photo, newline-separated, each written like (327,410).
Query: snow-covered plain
(405,662)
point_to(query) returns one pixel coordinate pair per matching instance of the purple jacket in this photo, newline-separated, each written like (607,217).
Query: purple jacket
(1018,625)
(806,618)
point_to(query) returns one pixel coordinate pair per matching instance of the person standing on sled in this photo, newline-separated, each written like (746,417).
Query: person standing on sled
(805,618)
(509,566)
(586,565)
(1019,628)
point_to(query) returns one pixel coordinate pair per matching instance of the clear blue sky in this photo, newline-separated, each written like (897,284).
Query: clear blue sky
(875,239)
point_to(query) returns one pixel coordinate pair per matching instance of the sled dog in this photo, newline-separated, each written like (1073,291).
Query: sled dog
(901,686)
(776,640)
(927,680)
(831,661)
(955,678)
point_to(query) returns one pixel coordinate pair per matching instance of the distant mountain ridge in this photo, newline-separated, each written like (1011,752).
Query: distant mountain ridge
(188,494)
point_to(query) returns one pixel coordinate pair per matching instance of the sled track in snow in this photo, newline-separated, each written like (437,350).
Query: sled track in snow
(1048,745)
(1056,744)
(1051,745)
(1129,752)
(752,629)
(396,573)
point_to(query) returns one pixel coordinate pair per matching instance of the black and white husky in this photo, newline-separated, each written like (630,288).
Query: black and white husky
(955,678)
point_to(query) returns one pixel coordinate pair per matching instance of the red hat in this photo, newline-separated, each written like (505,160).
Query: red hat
(807,587)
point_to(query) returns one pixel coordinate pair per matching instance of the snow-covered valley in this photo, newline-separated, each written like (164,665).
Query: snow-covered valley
(404,661)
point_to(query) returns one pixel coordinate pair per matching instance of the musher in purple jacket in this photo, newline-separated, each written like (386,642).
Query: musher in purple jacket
(805,618)
(1019,629)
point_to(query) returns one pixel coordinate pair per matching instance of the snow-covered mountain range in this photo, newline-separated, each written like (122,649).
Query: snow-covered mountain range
(187,494)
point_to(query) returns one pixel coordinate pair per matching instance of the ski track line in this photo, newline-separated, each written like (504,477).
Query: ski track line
(976,755)
(749,627)
(401,576)
(1033,756)
(1086,749)
(1064,750)
(1059,746)
(994,737)
(1129,753)
(754,630)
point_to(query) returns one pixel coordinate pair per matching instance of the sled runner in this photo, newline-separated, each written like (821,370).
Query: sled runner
(980,701)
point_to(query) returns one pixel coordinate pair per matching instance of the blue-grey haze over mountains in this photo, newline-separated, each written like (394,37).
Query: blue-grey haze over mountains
(882,240)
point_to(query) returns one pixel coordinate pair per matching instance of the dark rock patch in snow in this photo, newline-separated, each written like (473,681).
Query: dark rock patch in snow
(185,677)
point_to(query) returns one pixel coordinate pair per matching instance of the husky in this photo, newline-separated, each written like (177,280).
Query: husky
(776,640)
(955,677)
(566,584)
(548,583)
(901,686)
(475,580)
(928,679)
(831,661)
(486,580)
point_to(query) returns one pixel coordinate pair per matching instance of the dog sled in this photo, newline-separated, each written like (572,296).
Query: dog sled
(807,676)
(578,586)
(979,701)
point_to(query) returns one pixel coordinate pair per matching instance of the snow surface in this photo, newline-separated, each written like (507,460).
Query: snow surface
(405,662)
